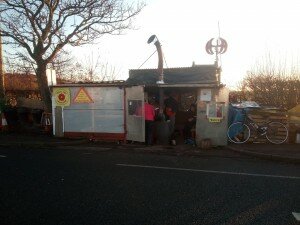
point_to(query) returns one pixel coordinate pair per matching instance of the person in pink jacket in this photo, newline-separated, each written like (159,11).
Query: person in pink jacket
(149,122)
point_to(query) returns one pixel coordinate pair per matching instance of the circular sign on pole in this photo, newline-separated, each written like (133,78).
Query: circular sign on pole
(62,96)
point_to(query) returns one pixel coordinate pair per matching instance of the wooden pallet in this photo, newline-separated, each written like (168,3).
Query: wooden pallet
(261,118)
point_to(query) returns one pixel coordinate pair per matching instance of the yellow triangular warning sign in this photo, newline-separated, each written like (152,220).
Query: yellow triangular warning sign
(82,97)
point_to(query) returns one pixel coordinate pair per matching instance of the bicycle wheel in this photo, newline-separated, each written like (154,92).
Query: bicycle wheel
(238,133)
(277,133)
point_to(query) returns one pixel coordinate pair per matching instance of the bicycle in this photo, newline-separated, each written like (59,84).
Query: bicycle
(240,132)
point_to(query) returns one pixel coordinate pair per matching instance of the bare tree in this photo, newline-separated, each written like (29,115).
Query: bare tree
(64,63)
(15,64)
(109,72)
(91,67)
(44,27)
(272,84)
(94,68)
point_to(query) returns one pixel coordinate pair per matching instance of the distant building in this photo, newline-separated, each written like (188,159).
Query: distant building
(22,86)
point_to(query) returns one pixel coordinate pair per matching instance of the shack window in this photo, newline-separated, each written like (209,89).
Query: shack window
(135,107)
(215,110)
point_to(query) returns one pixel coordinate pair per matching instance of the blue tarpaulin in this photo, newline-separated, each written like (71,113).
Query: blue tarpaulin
(236,115)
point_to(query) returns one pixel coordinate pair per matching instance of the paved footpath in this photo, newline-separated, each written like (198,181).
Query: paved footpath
(284,153)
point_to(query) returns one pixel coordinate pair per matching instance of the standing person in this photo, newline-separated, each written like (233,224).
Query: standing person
(149,122)
(190,123)
(171,108)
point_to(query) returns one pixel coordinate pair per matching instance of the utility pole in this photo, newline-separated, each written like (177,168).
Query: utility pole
(2,84)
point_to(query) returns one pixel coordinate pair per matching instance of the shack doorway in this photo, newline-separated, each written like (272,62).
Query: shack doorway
(185,120)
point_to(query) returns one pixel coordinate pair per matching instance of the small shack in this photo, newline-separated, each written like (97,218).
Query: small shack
(198,84)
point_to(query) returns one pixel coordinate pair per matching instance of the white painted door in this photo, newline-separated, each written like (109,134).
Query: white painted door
(135,116)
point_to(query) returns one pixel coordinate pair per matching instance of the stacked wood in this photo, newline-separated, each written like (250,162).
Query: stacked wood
(261,117)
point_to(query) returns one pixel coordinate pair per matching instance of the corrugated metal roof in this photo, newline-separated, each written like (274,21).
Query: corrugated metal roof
(200,74)
(92,84)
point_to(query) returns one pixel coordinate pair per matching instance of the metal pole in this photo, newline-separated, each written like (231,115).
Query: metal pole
(161,100)
(2,78)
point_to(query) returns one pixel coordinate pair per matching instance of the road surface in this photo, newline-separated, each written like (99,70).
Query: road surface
(88,186)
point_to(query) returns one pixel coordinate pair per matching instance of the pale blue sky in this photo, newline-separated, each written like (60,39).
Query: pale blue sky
(251,28)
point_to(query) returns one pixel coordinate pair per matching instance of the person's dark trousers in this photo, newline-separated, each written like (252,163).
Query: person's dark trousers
(172,127)
(187,130)
(149,131)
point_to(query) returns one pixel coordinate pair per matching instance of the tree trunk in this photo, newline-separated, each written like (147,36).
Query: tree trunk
(43,86)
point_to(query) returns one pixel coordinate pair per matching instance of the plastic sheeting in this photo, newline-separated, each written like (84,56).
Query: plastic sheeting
(104,115)
(236,115)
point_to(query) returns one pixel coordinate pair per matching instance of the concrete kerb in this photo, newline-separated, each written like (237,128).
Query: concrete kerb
(39,144)
(178,150)
(87,145)
(161,150)
(276,158)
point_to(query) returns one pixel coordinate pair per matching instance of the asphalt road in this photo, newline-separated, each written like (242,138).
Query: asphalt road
(51,186)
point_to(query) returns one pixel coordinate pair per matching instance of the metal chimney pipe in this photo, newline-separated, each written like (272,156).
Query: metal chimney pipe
(160,67)
(160,59)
